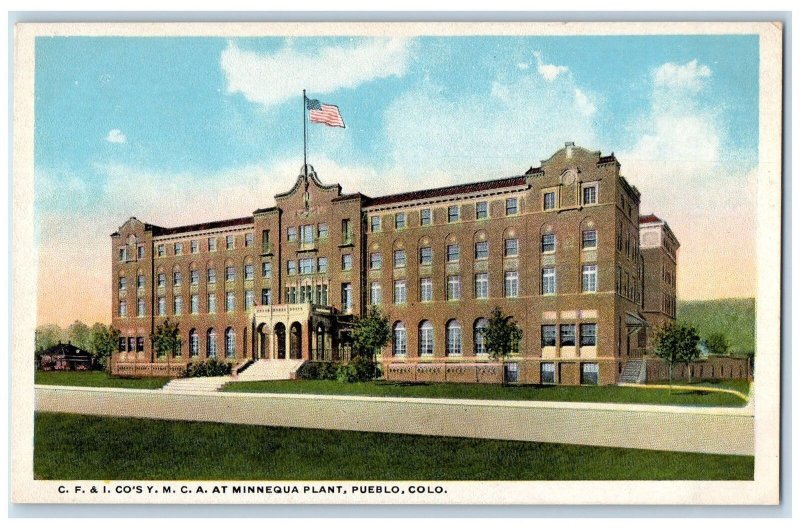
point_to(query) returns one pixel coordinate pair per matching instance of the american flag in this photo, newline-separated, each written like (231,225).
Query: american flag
(322,113)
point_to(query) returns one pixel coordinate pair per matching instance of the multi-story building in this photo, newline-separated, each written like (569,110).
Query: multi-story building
(557,249)
(659,248)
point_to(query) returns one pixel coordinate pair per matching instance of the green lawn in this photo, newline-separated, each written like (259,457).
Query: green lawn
(83,447)
(96,379)
(492,391)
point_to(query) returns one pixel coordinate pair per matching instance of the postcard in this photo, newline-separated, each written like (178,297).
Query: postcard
(395,263)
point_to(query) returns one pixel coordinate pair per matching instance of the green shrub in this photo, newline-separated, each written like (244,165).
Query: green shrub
(359,369)
(317,371)
(208,368)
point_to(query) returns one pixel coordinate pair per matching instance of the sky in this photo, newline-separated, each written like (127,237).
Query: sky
(182,130)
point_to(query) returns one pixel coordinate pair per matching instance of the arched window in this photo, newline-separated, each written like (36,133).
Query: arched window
(453,338)
(400,343)
(211,343)
(426,338)
(230,342)
(194,343)
(480,339)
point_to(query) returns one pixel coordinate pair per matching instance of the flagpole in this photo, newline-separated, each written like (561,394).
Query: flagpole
(305,136)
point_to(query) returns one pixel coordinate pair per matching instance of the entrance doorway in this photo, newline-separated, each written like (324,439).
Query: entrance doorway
(295,348)
(263,342)
(280,338)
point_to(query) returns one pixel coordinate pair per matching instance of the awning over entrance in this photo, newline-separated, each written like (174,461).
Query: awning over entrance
(634,323)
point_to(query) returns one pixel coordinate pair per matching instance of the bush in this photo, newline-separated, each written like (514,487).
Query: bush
(359,369)
(317,371)
(208,368)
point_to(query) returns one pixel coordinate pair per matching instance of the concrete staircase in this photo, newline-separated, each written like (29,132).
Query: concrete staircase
(634,372)
(195,384)
(270,370)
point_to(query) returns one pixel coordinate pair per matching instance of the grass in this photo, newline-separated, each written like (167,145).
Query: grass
(735,318)
(82,447)
(96,379)
(491,391)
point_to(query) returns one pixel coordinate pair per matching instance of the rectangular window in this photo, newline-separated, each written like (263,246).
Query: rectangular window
(131,343)
(194,247)
(248,240)
(291,267)
(548,335)
(567,334)
(140,251)
(347,262)
(453,288)
(548,243)
(453,253)
(453,214)
(122,283)
(322,231)
(588,334)
(195,303)
(177,305)
(589,374)
(212,303)
(266,269)
(589,281)
(549,200)
(375,223)
(481,286)
(212,244)
(425,217)
(178,248)
(512,206)
(548,373)
(162,306)
(307,265)
(307,234)
(291,234)
(347,231)
(322,265)
(249,299)
(266,296)
(589,194)
(512,284)
(347,297)
(176,279)
(425,256)
(511,248)
(265,246)
(481,250)
(229,242)
(399,291)
(548,280)
(481,210)
(426,289)
(375,261)
(212,275)
(589,239)
(399,258)
(123,308)
(122,342)
(139,281)
(248,272)
(291,295)
(123,254)
(322,295)
(139,344)
(140,307)
(230,274)
(375,293)
(161,251)
(162,280)
(230,301)
(399,221)
(194,277)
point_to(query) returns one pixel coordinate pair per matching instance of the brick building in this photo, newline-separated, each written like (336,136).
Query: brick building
(557,248)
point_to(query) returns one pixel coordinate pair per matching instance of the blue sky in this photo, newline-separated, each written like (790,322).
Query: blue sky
(213,126)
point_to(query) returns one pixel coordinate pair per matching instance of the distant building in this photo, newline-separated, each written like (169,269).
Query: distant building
(65,357)
(659,248)
(556,248)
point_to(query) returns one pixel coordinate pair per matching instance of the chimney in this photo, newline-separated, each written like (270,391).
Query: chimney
(569,145)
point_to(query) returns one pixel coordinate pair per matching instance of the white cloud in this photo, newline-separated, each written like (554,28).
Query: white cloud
(584,102)
(263,77)
(523,65)
(548,71)
(689,76)
(115,136)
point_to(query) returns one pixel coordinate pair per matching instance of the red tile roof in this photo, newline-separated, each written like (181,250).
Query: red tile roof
(643,219)
(227,223)
(447,191)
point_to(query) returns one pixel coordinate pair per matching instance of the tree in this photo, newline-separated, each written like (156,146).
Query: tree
(166,339)
(677,344)
(104,341)
(370,334)
(80,335)
(717,344)
(47,336)
(501,336)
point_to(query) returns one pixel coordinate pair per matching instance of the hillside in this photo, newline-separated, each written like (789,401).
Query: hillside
(735,318)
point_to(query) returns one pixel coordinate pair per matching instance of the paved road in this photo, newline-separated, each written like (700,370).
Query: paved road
(674,428)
